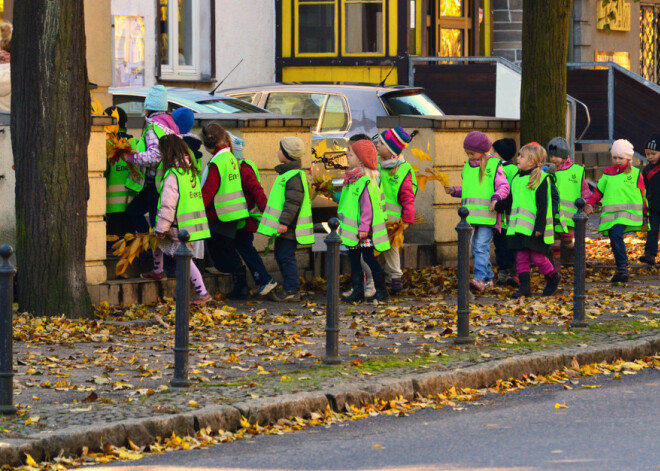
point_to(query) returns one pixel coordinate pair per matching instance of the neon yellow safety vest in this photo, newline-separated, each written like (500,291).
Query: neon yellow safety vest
(254,211)
(623,202)
(349,213)
(523,209)
(229,201)
(270,220)
(190,212)
(569,186)
(136,182)
(390,186)
(117,196)
(510,170)
(476,195)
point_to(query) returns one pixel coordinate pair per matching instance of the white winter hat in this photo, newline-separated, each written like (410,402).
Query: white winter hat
(623,148)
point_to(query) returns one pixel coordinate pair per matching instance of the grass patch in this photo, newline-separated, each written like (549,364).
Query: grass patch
(550,339)
(624,325)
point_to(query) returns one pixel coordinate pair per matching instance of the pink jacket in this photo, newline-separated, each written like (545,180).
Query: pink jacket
(151,156)
(169,200)
(366,212)
(406,199)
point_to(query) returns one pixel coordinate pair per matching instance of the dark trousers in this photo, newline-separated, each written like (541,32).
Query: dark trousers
(651,248)
(618,246)
(146,201)
(366,253)
(285,256)
(504,257)
(224,254)
(245,247)
(118,224)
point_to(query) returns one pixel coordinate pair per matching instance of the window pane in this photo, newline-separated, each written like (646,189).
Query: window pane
(451,42)
(364,27)
(164,32)
(335,117)
(451,7)
(129,51)
(185,52)
(307,105)
(316,28)
(406,103)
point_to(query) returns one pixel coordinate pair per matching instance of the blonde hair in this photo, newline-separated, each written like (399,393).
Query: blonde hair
(482,166)
(374,175)
(6,30)
(538,155)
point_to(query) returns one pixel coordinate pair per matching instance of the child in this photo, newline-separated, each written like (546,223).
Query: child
(180,206)
(651,173)
(484,184)
(571,184)
(398,185)
(624,203)
(362,226)
(256,202)
(288,215)
(225,206)
(531,228)
(184,119)
(505,149)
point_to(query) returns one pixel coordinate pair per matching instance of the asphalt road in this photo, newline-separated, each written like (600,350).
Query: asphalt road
(613,427)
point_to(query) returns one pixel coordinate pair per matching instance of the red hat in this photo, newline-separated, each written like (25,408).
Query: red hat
(367,153)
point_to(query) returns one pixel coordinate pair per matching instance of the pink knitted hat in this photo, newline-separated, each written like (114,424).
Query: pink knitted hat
(622,148)
(477,142)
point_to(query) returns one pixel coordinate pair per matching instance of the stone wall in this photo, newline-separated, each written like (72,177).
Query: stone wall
(507,29)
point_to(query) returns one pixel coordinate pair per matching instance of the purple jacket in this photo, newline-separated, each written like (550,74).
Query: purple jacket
(151,156)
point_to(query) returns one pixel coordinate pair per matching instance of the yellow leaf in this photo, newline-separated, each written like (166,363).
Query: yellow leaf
(111,237)
(131,456)
(245,423)
(261,371)
(30,461)
(443,178)
(285,378)
(415,168)
(377,446)
(420,154)
(421,182)
(560,406)
(193,403)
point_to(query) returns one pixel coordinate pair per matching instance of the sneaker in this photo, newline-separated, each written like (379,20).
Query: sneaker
(502,276)
(202,298)
(346,294)
(286,296)
(369,293)
(513,281)
(489,285)
(397,285)
(619,277)
(152,275)
(648,259)
(477,285)
(267,288)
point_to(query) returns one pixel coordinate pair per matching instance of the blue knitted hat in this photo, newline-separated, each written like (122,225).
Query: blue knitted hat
(156,99)
(184,119)
(238,144)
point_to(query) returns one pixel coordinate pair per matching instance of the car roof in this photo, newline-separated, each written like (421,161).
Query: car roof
(324,88)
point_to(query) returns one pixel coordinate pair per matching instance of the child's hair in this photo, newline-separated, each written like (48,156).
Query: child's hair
(538,155)
(358,137)
(174,152)
(214,135)
(482,166)
(6,30)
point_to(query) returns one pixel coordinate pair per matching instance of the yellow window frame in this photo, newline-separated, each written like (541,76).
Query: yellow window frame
(384,4)
(297,29)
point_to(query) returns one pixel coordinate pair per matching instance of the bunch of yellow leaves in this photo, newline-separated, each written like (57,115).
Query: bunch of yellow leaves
(130,246)
(422,180)
(395,230)
(322,185)
(115,146)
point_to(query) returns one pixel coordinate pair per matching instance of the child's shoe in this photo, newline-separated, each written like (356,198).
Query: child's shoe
(525,288)
(477,285)
(268,287)
(648,259)
(502,276)
(397,285)
(152,275)
(201,299)
(286,296)
(489,285)
(552,283)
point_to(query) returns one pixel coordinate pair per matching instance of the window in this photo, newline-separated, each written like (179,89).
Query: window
(129,51)
(315,33)
(185,35)
(363,27)
(453,25)
(307,105)
(335,115)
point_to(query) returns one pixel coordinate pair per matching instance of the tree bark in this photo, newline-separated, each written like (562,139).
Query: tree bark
(50,127)
(543,87)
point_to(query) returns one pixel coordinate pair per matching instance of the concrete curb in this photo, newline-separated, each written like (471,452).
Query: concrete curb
(71,441)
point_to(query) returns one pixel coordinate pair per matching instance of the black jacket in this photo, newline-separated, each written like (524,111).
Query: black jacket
(652,187)
(293,198)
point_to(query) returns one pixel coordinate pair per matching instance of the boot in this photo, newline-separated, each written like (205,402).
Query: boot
(621,274)
(567,255)
(552,283)
(357,295)
(381,288)
(240,290)
(524,289)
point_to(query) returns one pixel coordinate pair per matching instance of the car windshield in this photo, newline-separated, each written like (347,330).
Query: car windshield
(230,105)
(407,103)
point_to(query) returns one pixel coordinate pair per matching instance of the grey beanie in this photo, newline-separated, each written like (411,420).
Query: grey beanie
(558,146)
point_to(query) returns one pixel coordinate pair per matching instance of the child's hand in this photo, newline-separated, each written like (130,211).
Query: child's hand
(159,235)
(449,190)
(491,206)
(362,235)
(281,229)
(538,233)
(588,209)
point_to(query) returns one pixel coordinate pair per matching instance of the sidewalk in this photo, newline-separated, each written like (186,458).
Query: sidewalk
(106,381)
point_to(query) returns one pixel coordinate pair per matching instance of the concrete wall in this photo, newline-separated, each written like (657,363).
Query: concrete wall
(95,252)
(98,31)
(7,185)
(507,29)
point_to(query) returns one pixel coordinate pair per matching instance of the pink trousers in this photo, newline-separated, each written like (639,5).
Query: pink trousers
(525,257)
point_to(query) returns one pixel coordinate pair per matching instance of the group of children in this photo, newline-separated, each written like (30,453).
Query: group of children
(525,205)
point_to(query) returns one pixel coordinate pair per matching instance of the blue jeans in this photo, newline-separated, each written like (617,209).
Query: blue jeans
(245,247)
(481,238)
(651,248)
(285,255)
(618,246)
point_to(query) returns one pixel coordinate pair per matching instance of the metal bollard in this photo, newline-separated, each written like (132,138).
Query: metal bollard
(7,272)
(464,230)
(183,257)
(332,241)
(579,274)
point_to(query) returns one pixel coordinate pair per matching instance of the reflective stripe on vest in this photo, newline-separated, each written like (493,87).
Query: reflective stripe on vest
(390,186)
(569,186)
(136,182)
(229,201)
(523,209)
(623,202)
(349,215)
(476,195)
(190,213)
(270,220)
(117,196)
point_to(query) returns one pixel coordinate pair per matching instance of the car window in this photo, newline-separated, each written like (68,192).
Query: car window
(307,105)
(133,106)
(407,103)
(335,116)
(230,105)
(248,97)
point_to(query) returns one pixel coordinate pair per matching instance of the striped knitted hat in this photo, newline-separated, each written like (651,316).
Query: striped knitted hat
(395,139)
(238,144)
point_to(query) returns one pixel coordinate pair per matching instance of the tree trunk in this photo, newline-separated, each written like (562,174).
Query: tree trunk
(50,126)
(543,87)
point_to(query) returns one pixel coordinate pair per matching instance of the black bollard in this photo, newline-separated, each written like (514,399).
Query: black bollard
(332,241)
(183,257)
(7,272)
(464,230)
(580,270)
